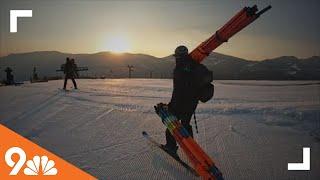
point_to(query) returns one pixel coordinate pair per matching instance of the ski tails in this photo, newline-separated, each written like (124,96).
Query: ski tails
(201,162)
(242,19)
(155,143)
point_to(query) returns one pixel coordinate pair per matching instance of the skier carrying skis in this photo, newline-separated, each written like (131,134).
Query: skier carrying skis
(192,82)
(70,71)
(184,98)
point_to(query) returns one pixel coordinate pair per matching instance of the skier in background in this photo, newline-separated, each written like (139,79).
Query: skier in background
(70,71)
(10,79)
(184,98)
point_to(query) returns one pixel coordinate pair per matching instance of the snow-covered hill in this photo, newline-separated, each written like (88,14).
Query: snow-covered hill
(252,129)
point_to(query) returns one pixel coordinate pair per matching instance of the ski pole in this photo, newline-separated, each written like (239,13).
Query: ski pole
(195,122)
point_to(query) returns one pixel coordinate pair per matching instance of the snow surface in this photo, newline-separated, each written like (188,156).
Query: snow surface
(251,129)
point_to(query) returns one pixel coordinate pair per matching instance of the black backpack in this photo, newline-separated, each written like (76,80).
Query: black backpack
(203,78)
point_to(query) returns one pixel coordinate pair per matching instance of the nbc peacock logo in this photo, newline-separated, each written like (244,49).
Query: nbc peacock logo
(20,158)
(47,166)
(36,166)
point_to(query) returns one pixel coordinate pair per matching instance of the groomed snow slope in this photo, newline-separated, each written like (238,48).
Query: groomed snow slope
(252,129)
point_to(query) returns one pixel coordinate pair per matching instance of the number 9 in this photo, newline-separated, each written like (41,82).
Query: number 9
(16,165)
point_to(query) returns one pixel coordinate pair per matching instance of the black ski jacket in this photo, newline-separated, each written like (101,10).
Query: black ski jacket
(70,70)
(184,98)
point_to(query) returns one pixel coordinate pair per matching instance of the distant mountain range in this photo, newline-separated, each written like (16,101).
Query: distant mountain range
(115,65)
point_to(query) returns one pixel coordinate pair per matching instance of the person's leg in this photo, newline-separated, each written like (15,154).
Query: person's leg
(65,82)
(171,146)
(185,121)
(74,83)
(171,142)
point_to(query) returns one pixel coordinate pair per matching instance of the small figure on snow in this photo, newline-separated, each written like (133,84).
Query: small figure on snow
(70,71)
(10,78)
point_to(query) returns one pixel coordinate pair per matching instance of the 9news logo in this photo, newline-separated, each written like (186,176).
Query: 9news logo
(20,158)
(36,166)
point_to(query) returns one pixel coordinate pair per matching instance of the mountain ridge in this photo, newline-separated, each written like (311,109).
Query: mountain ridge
(109,64)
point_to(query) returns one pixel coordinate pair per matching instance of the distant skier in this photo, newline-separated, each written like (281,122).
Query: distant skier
(70,71)
(10,78)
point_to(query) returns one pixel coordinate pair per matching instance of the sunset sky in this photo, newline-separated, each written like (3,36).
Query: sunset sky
(291,27)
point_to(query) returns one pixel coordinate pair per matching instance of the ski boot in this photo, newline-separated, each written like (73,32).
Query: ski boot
(172,151)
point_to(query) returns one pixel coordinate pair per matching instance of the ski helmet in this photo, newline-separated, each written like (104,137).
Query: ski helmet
(181,51)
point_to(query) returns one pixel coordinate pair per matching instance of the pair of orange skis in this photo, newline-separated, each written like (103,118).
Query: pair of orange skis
(242,19)
(201,162)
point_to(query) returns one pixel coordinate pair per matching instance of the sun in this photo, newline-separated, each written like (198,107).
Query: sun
(118,44)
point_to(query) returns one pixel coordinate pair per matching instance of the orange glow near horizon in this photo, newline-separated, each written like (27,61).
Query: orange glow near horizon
(118,44)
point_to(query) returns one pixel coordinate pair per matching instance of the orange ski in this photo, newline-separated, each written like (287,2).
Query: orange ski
(200,161)
(242,19)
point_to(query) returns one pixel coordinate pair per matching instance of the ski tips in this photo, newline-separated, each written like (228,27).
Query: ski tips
(253,11)
(264,10)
